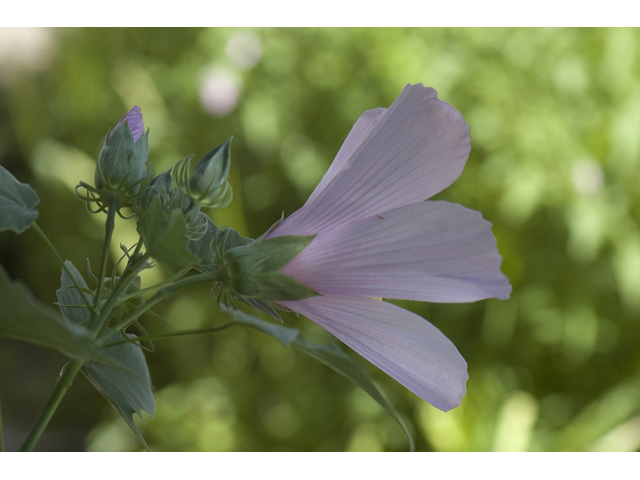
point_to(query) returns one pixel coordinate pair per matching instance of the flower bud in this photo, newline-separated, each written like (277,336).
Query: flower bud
(208,185)
(160,187)
(122,162)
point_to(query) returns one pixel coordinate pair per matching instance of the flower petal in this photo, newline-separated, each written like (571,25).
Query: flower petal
(429,251)
(399,342)
(396,157)
(134,121)
(359,133)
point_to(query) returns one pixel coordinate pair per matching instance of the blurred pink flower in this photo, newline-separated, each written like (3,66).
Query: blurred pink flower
(377,238)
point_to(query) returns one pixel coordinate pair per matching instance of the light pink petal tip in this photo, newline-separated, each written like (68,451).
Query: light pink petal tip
(134,121)
(400,343)
(391,158)
(429,251)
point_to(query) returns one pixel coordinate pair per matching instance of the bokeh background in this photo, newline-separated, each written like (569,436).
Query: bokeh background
(555,166)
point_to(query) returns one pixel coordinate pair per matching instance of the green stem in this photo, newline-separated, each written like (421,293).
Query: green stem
(110,225)
(160,336)
(74,366)
(167,292)
(64,382)
(157,286)
(64,266)
(130,274)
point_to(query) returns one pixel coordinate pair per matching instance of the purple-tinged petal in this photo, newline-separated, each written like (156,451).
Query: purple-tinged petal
(135,123)
(429,251)
(358,134)
(401,156)
(401,343)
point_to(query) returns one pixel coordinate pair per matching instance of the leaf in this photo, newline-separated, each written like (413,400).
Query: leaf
(26,318)
(17,202)
(329,354)
(333,357)
(127,393)
(166,238)
(125,382)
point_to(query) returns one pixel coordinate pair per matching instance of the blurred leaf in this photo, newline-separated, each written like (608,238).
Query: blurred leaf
(127,393)
(166,237)
(329,354)
(333,357)
(127,386)
(17,202)
(26,318)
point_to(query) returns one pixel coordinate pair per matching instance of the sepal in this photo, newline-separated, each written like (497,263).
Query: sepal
(253,269)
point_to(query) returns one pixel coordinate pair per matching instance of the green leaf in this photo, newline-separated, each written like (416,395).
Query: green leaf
(166,237)
(127,393)
(124,380)
(329,354)
(17,202)
(333,357)
(26,318)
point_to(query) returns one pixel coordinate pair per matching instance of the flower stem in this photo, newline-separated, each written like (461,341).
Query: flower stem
(167,292)
(64,382)
(110,224)
(74,366)
(129,275)
(160,336)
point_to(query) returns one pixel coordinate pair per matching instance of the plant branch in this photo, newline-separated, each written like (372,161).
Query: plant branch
(167,292)
(161,336)
(64,382)
(110,225)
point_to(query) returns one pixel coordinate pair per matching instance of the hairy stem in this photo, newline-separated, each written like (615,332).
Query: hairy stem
(158,286)
(167,292)
(64,382)
(129,275)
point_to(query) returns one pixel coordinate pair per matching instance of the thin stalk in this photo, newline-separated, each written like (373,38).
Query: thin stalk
(64,382)
(160,336)
(167,292)
(64,266)
(157,286)
(110,224)
(130,274)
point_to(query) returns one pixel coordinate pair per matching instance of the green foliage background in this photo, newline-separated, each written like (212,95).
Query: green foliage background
(555,166)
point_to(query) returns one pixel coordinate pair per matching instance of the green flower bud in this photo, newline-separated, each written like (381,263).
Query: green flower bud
(160,187)
(208,185)
(122,163)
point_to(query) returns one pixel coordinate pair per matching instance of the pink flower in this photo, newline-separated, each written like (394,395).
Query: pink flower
(377,238)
